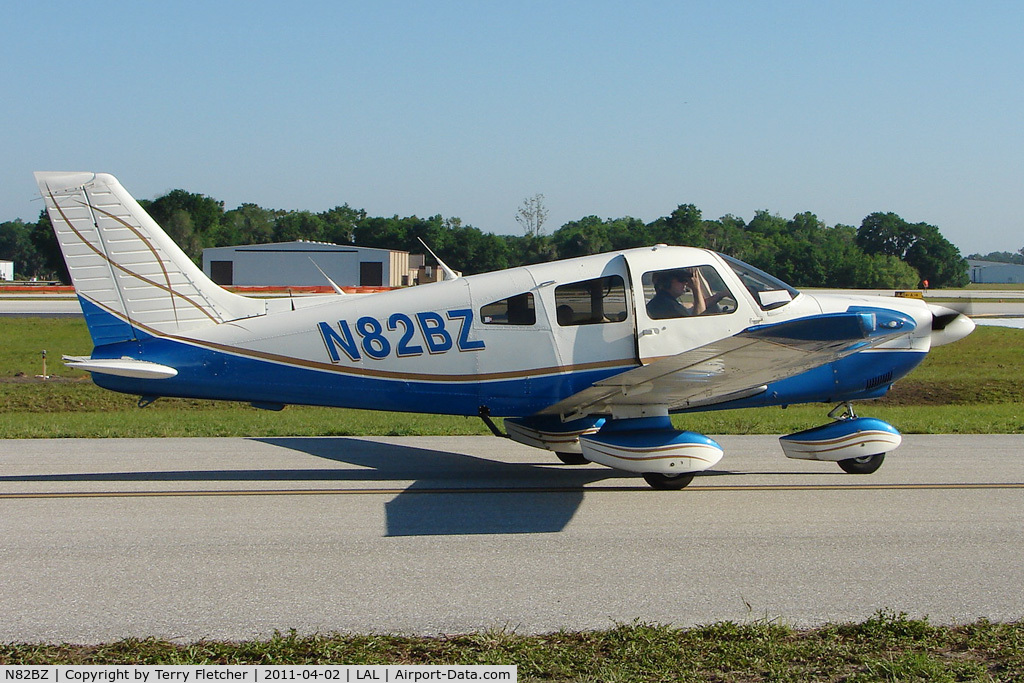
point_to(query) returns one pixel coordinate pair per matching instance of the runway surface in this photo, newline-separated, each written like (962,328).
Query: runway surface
(234,538)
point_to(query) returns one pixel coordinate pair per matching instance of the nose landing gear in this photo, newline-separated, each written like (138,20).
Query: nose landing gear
(857,444)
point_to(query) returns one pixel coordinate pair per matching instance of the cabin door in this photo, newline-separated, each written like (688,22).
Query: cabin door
(681,306)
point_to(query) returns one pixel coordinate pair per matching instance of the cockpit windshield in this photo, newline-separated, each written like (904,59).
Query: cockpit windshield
(768,291)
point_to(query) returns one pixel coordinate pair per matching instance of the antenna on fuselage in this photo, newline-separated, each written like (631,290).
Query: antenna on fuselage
(334,285)
(449,274)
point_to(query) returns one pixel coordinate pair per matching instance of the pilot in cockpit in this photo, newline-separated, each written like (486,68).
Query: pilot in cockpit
(669,285)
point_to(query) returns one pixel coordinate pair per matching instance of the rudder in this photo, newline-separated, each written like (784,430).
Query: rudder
(128,273)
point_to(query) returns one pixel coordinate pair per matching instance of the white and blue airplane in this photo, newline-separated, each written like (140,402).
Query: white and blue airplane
(585,357)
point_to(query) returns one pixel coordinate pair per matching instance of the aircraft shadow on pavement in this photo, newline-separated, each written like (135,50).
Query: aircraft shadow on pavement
(455,493)
(458,494)
(451,493)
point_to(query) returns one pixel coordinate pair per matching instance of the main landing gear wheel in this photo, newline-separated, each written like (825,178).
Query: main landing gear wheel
(572,458)
(668,482)
(863,465)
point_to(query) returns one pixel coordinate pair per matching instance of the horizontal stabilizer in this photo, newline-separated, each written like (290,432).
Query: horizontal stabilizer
(122,367)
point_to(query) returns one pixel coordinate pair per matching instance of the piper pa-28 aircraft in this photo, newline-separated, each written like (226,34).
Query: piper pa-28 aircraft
(585,357)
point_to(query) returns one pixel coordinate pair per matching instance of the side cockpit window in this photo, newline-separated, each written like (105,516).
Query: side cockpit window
(768,291)
(601,300)
(681,292)
(515,310)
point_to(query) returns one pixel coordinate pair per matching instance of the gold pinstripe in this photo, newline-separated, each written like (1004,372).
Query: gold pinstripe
(601,448)
(371,372)
(861,438)
(289,360)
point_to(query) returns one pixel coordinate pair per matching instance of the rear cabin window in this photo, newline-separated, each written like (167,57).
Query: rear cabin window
(515,310)
(602,300)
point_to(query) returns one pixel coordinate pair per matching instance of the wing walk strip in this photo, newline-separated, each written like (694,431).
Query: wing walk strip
(509,489)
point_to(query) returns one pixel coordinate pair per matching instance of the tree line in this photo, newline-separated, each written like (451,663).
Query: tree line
(1015,257)
(884,252)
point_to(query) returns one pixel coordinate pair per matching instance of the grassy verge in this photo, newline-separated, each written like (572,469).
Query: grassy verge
(229,420)
(1010,287)
(235,420)
(886,647)
(969,387)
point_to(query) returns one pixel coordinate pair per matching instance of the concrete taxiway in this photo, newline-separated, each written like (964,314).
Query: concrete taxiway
(234,538)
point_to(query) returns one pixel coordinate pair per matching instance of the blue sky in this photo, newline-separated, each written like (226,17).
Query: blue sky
(466,108)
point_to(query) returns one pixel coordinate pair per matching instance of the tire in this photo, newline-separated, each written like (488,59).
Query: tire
(572,458)
(668,482)
(865,464)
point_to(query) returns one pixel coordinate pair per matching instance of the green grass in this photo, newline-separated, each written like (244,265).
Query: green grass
(1008,286)
(886,647)
(983,368)
(988,354)
(970,387)
(22,340)
(228,420)
(238,420)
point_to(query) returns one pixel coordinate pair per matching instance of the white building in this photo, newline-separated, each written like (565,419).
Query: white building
(6,270)
(291,264)
(993,272)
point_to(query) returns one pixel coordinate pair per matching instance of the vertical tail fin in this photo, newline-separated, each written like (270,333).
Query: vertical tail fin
(129,275)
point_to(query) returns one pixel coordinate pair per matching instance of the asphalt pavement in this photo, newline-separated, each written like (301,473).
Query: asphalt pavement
(235,538)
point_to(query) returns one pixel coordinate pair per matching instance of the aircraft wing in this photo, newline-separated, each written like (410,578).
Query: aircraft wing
(738,366)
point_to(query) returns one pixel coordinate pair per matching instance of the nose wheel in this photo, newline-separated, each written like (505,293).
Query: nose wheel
(865,464)
(857,444)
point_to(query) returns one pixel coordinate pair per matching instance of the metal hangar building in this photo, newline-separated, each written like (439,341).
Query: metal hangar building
(298,264)
(992,272)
